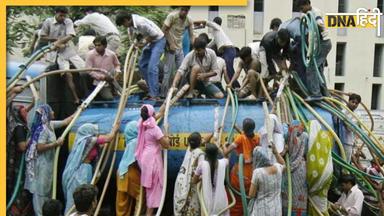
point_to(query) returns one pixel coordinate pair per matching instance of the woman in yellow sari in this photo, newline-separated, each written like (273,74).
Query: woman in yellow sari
(128,174)
(319,169)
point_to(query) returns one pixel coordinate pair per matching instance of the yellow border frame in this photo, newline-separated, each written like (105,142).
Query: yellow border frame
(5,3)
(128,2)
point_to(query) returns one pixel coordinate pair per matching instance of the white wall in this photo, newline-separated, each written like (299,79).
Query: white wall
(360,43)
(359,57)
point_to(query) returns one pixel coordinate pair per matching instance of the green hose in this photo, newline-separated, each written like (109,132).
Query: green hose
(303,88)
(337,159)
(294,107)
(308,24)
(324,123)
(18,182)
(242,187)
(228,179)
(242,192)
(356,170)
(360,132)
(309,54)
(357,129)
(301,109)
(300,83)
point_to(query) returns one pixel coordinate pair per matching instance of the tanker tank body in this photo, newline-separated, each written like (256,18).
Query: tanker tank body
(185,117)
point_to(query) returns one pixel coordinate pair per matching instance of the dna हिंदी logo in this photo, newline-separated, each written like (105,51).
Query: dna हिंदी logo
(363,18)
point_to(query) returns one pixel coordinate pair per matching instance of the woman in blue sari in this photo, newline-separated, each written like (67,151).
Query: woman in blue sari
(128,174)
(40,155)
(78,169)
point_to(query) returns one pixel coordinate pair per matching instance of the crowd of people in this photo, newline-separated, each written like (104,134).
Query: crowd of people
(207,64)
(141,165)
(209,70)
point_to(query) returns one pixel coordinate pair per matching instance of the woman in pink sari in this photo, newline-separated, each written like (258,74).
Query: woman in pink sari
(148,155)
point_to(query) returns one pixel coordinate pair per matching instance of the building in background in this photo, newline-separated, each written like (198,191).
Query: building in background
(356,61)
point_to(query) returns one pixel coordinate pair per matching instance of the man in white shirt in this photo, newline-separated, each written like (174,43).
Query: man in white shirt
(347,136)
(315,87)
(85,199)
(103,27)
(223,43)
(153,43)
(351,200)
(85,43)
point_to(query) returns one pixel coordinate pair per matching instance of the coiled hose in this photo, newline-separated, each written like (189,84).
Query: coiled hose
(311,50)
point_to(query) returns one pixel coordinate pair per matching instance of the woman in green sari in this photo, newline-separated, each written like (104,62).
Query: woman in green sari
(319,169)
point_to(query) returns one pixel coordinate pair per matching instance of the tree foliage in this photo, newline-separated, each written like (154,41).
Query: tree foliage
(20,29)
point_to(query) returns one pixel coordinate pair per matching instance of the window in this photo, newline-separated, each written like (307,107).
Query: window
(380,5)
(258,6)
(213,11)
(295,8)
(339,86)
(382,29)
(340,60)
(213,8)
(378,61)
(258,16)
(376,96)
(342,6)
